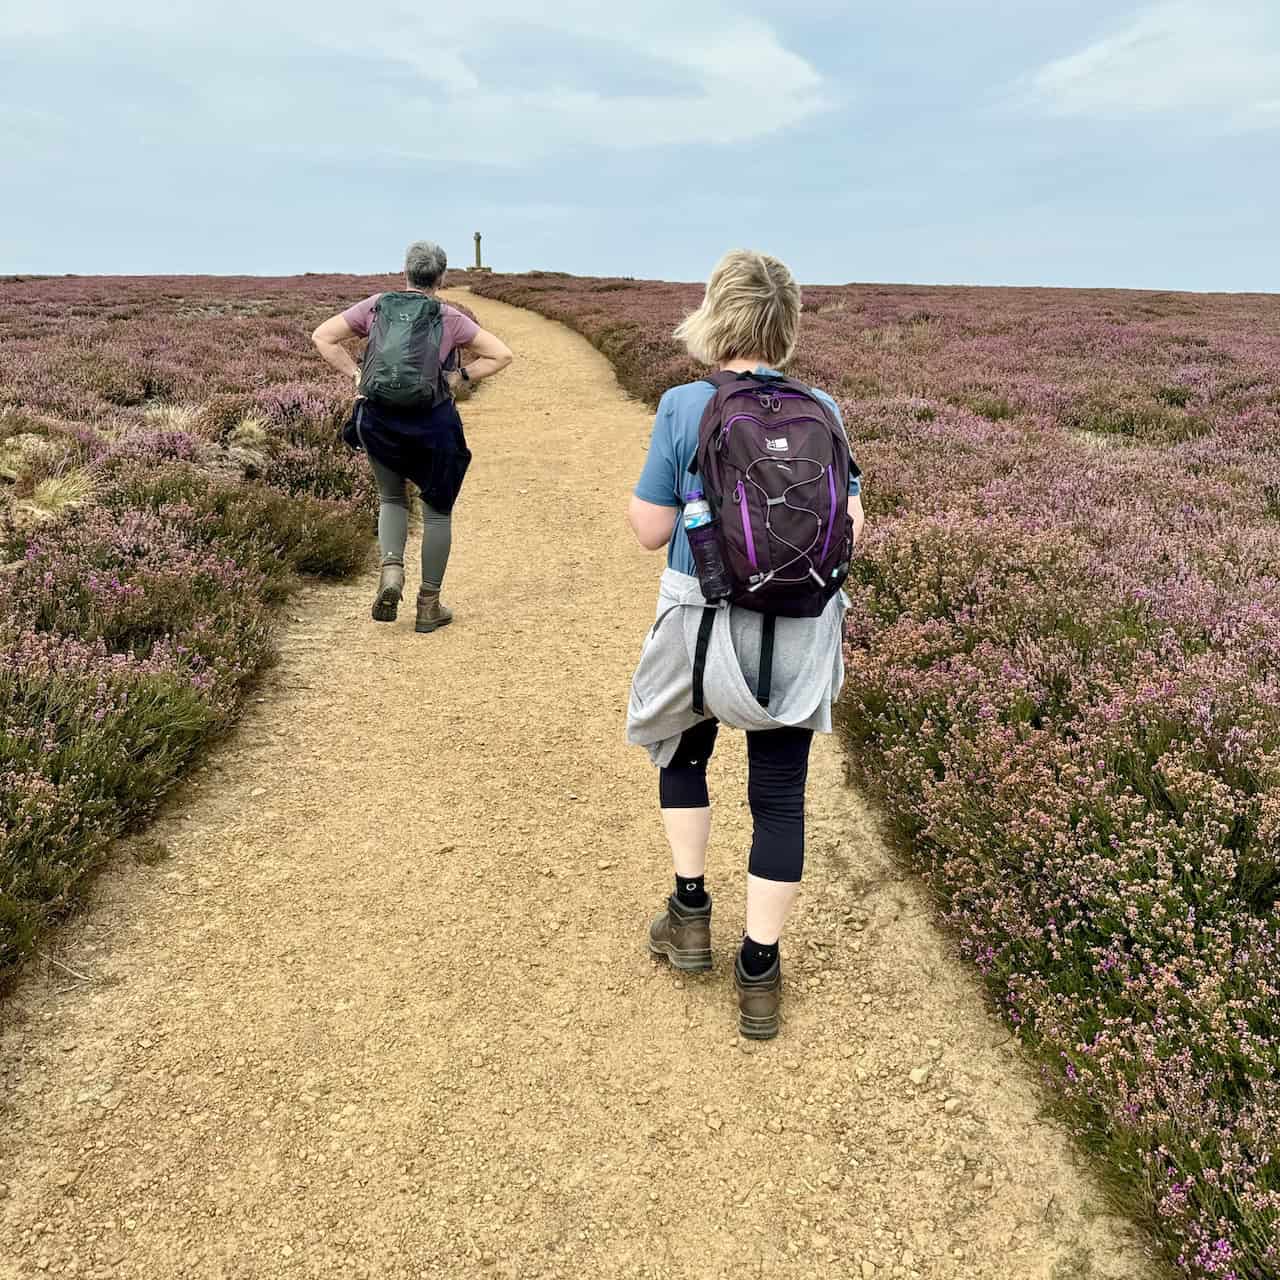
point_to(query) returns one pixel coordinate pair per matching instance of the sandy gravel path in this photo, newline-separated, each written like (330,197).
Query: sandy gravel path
(385,1008)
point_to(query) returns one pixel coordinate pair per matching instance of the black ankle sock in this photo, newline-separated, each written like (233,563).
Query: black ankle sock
(757,958)
(690,892)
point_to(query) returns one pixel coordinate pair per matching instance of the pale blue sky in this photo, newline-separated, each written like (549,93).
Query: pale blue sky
(1060,142)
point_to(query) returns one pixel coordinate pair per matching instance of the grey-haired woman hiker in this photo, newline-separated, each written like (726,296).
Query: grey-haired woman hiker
(749,484)
(406,419)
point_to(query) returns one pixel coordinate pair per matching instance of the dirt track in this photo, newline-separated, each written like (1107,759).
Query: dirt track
(386,1008)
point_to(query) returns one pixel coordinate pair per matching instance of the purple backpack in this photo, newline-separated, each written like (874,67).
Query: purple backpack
(774,464)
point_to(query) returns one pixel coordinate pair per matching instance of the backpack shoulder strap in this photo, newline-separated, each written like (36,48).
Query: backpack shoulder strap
(409,297)
(714,380)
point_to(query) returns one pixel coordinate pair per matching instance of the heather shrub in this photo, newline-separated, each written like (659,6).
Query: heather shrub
(169,464)
(219,416)
(989,405)
(1064,685)
(115,382)
(275,533)
(1132,416)
(1176,397)
(16,422)
(88,742)
(327,473)
(134,581)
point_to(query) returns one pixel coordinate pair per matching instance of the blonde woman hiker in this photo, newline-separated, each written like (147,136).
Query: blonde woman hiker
(750,486)
(406,419)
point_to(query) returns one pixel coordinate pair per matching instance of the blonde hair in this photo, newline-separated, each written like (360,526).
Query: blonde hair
(751,308)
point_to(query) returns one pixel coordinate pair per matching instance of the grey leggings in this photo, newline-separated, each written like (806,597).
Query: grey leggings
(393,526)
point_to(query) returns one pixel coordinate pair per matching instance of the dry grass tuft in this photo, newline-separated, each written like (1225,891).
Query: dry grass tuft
(28,455)
(54,496)
(251,432)
(172,417)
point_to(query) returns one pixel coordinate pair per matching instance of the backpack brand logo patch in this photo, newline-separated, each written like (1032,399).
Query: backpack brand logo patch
(777,446)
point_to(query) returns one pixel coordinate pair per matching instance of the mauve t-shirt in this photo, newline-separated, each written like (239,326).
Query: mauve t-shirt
(459,329)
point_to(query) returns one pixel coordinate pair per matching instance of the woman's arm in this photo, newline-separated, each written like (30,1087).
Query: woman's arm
(329,338)
(858,516)
(653,525)
(493,356)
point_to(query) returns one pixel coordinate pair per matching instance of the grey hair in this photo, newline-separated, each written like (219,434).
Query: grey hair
(424,264)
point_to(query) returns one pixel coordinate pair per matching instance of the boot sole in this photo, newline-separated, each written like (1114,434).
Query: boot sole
(387,605)
(758,1028)
(685,961)
(425,628)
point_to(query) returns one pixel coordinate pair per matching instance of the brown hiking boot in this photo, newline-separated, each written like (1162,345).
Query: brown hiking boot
(390,590)
(431,613)
(683,935)
(758,1000)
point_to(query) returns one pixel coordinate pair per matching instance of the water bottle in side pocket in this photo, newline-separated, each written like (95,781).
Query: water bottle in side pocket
(704,541)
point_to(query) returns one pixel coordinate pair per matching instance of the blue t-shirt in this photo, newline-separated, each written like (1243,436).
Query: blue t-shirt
(665,478)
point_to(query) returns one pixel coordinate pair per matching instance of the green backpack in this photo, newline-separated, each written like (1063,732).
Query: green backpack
(401,366)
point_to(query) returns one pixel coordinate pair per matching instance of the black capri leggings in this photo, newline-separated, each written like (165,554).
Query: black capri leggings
(778,767)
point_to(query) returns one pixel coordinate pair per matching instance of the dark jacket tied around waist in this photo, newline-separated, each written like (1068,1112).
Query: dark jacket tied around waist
(425,446)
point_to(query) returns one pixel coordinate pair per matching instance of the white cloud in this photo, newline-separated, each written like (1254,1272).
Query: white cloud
(1220,58)
(737,82)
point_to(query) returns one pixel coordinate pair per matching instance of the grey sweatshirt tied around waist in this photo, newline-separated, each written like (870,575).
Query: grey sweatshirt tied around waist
(808,670)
